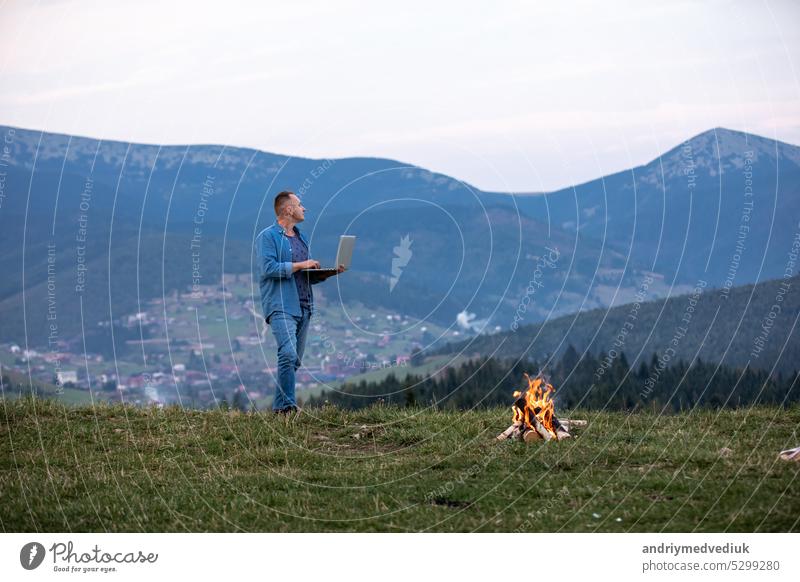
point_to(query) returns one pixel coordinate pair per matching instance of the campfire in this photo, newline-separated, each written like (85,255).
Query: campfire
(534,414)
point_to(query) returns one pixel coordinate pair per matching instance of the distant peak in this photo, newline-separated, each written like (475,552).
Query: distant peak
(731,137)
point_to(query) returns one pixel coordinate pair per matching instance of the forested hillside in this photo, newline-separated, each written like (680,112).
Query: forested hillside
(749,324)
(580,382)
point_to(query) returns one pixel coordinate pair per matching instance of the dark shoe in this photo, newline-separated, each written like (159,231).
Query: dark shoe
(287,410)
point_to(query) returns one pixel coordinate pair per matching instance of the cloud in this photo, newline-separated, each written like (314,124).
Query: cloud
(519,96)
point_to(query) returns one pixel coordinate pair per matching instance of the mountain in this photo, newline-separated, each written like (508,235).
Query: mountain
(724,207)
(140,219)
(752,325)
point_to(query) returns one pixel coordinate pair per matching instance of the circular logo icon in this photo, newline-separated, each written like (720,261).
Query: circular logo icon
(31,555)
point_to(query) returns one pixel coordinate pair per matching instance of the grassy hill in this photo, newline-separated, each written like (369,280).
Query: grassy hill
(16,385)
(116,468)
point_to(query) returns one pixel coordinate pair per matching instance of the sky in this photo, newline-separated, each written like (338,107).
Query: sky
(506,96)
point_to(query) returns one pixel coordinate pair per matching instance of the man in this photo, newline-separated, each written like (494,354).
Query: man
(287,300)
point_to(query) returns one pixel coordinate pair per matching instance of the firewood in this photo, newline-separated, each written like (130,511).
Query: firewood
(543,432)
(568,424)
(518,431)
(528,428)
(509,432)
(531,435)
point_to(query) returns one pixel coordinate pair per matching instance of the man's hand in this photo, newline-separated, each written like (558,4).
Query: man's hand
(309,264)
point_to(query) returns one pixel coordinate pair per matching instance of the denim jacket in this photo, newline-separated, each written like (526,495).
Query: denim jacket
(276,280)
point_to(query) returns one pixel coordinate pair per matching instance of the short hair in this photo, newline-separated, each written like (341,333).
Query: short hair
(281,199)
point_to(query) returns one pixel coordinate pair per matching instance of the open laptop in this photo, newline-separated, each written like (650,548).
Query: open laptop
(343,256)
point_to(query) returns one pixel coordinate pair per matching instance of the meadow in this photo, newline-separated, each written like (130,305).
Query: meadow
(117,468)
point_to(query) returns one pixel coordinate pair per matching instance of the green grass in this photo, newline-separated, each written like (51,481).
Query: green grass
(120,468)
(15,385)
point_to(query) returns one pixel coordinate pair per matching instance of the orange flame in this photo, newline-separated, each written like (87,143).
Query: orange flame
(535,403)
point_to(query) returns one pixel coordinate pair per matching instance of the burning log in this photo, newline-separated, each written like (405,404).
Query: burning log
(534,417)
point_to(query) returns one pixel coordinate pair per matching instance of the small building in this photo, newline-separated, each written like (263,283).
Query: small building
(67,376)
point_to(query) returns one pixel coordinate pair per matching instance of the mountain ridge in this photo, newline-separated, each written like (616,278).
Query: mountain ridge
(719,130)
(611,232)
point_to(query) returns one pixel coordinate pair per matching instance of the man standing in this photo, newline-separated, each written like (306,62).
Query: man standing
(287,300)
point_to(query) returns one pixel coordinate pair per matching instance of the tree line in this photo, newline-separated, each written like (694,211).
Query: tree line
(581,381)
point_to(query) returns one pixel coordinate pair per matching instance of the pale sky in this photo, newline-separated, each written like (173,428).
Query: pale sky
(514,96)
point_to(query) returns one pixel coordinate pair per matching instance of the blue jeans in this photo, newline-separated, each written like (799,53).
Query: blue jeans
(290,334)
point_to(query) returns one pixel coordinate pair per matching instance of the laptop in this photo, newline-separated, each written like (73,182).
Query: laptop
(343,256)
